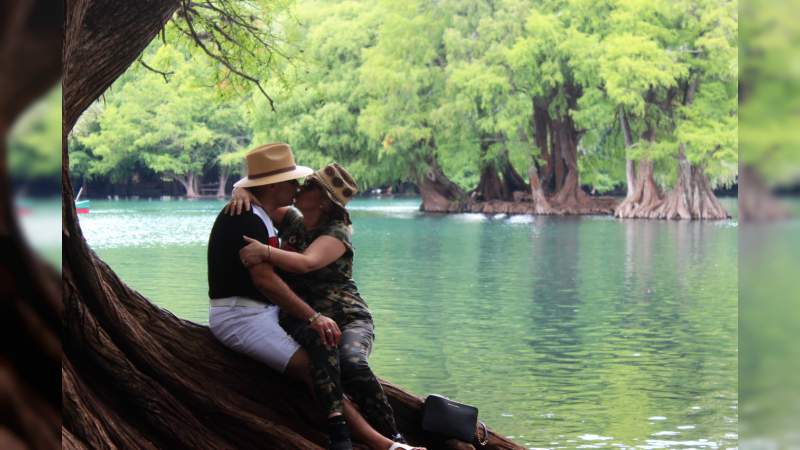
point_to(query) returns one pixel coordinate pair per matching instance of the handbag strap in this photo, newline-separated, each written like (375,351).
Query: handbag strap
(485,435)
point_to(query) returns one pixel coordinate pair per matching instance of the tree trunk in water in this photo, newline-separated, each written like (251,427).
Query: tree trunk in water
(555,179)
(629,166)
(541,127)
(134,375)
(692,197)
(490,187)
(756,202)
(570,198)
(540,203)
(224,172)
(30,64)
(646,196)
(438,193)
(512,180)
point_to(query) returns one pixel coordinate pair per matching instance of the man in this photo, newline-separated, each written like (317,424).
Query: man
(244,305)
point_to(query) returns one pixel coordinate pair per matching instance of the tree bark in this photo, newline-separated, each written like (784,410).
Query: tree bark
(224,172)
(512,180)
(630,174)
(541,127)
(692,196)
(490,187)
(555,181)
(570,198)
(540,203)
(189,181)
(646,196)
(96,54)
(30,351)
(438,193)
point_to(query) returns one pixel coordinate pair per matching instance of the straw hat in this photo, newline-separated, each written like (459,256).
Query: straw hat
(269,164)
(338,185)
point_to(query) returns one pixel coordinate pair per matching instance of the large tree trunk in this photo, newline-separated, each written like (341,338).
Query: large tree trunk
(134,375)
(512,180)
(95,54)
(570,198)
(630,175)
(555,179)
(692,196)
(438,193)
(490,187)
(541,127)
(646,196)
(30,306)
(540,203)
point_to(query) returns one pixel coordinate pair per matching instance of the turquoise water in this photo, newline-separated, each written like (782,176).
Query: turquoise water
(565,332)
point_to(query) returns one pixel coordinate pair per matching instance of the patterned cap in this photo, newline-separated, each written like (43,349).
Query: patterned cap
(337,183)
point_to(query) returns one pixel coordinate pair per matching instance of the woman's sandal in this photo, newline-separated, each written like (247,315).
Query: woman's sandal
(399,446)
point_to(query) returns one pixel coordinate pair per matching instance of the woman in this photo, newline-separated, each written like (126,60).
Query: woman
(316,257)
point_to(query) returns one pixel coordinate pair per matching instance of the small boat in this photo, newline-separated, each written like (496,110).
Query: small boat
(23,207)
(82,206)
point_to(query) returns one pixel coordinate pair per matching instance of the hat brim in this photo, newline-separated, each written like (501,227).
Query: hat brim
(298,172)
(332,198)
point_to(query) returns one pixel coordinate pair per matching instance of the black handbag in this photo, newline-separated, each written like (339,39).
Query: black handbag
(451,419)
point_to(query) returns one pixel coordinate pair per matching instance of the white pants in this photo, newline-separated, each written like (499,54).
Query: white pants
(254,331)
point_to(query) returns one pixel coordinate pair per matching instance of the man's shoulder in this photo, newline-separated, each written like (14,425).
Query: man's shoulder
(244,221)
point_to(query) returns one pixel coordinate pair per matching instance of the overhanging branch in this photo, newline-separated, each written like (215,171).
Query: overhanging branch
(218,52)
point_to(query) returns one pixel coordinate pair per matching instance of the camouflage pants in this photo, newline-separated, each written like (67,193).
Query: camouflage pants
(325,371)
(346,367)
(359,382)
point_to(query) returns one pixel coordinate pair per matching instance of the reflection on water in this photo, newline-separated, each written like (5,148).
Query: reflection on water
(565,332)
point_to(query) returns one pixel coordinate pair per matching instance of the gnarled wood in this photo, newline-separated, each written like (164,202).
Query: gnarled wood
(438,193)
(490,187)
(512,180)
(646,196)
(30,351)
(692,196)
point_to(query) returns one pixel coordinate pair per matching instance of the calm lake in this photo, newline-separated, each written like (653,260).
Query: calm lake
(565,332)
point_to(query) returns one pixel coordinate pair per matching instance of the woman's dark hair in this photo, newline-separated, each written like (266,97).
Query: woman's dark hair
(337,213)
